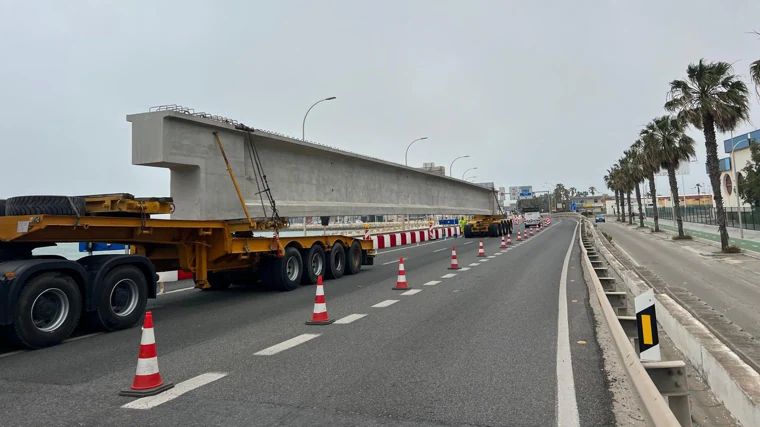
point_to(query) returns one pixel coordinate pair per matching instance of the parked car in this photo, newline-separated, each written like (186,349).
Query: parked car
(600,218)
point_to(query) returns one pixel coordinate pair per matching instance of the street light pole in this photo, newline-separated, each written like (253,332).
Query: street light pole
(465,172)
(406,156)
(736,185)
(303,125)
(451,165)
(471,177)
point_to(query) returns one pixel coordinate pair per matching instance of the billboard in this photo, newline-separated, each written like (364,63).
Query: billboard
(521,192)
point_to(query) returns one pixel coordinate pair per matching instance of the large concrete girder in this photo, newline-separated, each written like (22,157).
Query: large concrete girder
(305,178)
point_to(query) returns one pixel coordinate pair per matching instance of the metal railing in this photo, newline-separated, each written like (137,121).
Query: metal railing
(706,215)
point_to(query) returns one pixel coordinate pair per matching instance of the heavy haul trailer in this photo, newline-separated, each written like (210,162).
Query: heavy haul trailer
(43,297)
(486,225)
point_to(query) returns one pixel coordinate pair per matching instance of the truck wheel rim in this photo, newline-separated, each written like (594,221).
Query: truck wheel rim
(317,264)
(50,309)
(339,262)
(124,297)
(291,269)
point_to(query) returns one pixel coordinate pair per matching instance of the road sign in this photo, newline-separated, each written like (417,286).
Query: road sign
(521,192)
(646,323)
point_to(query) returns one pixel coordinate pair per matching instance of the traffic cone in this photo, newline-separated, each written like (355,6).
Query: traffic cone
(481,249)
(401,284)
(147,381)
(509,239)
(518,236)
(319,316)
(454,262)
(503,244)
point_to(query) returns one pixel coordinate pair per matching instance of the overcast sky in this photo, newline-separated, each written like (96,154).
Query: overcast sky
(535,92)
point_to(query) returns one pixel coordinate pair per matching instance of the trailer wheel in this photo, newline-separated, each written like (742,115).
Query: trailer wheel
(45,205)
(313,264)
(284,274)
(492,231)
(219,281)
(467,231)
(354,258)
(122,299)
(336,262)
(48,310)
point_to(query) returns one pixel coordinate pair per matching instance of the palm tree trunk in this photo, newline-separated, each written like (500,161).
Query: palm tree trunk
(638,200)
(630,210)
(676,201)
(711,147)
(617,205)
(653,192)
(622,207)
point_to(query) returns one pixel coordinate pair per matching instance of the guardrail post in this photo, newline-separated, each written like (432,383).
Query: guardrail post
(670,379)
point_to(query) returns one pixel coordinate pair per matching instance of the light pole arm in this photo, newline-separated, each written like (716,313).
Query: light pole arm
(406,155)
(451,165)
(303,124)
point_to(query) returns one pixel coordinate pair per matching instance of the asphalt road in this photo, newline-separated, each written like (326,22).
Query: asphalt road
(728,283)
(478,348)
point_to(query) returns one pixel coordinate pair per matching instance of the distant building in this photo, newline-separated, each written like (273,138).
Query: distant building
(432,168)
(591,204)
(730,172)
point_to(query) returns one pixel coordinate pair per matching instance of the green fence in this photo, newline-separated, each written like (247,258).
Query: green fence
(706,215)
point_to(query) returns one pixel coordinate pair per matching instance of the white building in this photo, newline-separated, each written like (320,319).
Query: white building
(731,168)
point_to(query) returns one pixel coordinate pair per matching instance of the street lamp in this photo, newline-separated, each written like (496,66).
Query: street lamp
(451,165)
(736,185)
(465,172)
(471,177)
(303,125)
(406,155)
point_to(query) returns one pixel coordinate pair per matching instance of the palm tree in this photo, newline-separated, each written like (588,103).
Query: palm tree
(650,161)
(636,155)
(711,98)
(673,146)
(627,183)
(612,179)
(754,72)
(592,190)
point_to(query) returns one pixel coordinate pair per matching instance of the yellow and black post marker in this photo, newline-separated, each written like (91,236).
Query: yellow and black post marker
(646,323)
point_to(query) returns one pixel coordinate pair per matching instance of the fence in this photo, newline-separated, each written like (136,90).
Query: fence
(706,215)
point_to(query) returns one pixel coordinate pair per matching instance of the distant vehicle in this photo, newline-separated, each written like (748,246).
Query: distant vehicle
(532,217)
(600,218)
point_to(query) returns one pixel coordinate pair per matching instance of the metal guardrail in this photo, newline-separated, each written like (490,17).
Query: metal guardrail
(654,404)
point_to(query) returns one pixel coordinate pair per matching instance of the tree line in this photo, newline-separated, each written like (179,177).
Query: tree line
(710,98)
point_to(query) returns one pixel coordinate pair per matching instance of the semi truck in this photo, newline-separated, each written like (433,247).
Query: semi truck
(44,297)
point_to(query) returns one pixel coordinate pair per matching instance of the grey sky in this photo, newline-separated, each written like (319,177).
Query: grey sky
(535,92)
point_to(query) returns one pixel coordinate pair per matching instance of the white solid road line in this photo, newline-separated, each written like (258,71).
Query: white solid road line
(448,276)
(431,283)
(438,250)
(386,303)
(474,264)
(391,262)
(412,292)
(464,268)
(269,351)
(348,319)
(567,406)
(177,391)
(178,290)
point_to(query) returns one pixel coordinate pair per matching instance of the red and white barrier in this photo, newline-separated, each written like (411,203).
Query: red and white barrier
(402,238)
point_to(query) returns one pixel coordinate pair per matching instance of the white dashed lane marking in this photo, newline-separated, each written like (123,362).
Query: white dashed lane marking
(348,319)
(412,292)
(386,303)
(464,268)
(448,276)
(269,351)
(474,264)
(431,283)
(177,391)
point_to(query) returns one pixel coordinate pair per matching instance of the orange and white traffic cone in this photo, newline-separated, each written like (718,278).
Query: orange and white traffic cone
(481,249)
(401,283)
(454,262)
(518,236)
(509,239)
(503,244)
(319,316)
(147,381)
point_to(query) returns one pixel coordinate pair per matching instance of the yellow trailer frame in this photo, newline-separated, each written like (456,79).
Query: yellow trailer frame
(199,246)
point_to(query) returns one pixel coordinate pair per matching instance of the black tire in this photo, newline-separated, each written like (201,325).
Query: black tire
(493,230)
(336,262)
(354,258)
(313,264)
(122,297)
(45,205)
(48,310)
(467,231)
(2,207)
(277,275)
